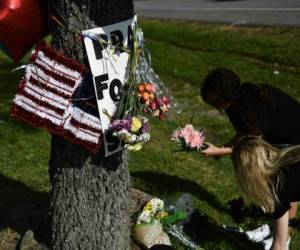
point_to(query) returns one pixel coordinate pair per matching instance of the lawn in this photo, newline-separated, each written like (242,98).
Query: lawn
(182,54)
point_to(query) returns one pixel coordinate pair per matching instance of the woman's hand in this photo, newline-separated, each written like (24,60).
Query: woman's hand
(212,150)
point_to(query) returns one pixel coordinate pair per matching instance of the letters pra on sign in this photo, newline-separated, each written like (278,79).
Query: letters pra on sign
(108,64)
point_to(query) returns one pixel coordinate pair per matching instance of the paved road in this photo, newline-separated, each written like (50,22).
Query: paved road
(243,12)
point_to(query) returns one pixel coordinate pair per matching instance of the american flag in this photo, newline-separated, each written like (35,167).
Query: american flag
(51,96)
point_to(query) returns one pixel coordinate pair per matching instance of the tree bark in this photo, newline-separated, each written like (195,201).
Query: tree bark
(89,194)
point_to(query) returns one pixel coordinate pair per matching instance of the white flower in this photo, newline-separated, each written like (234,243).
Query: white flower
(157,204)
(123,135)
(145,217)
(133,139)
(145,137)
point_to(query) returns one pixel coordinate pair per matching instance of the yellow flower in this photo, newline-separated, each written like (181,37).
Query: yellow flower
(136,124)
(135,147)
(161,215)
(148,207)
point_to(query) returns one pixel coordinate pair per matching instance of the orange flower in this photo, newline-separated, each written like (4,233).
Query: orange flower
(141,87)
(145,97)
(151,96)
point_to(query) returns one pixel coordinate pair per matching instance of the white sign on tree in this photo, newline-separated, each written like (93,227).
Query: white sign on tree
(108,63)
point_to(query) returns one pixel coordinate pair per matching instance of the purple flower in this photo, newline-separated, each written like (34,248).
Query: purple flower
(121,124)
(146,128)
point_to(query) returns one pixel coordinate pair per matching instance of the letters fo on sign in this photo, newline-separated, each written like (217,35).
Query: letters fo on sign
(108,67)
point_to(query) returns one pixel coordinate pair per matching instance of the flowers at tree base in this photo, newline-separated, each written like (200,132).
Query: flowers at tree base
(156,221)
(133,131)
(153,212)
(148,95)
(189,138)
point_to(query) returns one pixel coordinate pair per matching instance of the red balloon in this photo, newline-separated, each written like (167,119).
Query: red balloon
(22,23)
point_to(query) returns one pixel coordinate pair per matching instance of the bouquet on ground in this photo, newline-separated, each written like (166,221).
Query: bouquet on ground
(155,223)
(149,229)
(189,138)
(133,131)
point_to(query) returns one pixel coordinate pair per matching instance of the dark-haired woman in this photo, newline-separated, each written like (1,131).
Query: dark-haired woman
(253,109)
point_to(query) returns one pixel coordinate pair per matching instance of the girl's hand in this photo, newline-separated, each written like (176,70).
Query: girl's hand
(212,150)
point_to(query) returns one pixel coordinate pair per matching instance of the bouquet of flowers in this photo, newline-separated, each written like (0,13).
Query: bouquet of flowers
(143,91)
(157,105)
(148,230)
(153,212)
(134,131)
(138,97)
(189,138)
(155,220)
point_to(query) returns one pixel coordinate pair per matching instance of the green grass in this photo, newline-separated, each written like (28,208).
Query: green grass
(182,54)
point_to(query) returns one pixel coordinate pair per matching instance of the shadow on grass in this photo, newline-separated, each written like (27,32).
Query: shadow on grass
(22,208)
(201,228)
(164,182)
(206,231)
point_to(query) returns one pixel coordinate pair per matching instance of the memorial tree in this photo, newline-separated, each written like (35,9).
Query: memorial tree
(90,194)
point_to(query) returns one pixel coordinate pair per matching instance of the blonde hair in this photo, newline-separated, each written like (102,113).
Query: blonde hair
(257,166)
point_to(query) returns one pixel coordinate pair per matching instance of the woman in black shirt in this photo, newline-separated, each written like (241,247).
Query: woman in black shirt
(255,109)
(269,176)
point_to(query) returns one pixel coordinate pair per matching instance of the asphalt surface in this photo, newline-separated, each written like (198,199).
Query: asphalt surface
(241,12)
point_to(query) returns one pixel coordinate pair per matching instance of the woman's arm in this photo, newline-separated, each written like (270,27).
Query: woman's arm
(212,150)
(281,232)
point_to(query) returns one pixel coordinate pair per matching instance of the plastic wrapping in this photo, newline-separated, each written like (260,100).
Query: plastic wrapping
(146,74)
(177,232)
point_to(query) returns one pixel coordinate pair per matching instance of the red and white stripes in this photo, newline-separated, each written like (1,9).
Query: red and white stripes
(45,94)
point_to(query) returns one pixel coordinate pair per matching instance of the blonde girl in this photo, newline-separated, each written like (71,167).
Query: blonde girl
(270,177)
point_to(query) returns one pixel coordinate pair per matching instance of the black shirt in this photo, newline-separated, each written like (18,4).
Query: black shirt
(278,120)
(289,190)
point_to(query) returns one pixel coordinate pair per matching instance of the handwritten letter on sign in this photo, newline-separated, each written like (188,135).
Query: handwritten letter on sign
(108,63)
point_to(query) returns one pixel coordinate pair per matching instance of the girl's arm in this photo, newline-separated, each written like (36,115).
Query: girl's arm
(280,237)
(212,150)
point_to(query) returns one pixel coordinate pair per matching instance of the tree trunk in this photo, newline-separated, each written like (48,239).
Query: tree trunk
(89,194)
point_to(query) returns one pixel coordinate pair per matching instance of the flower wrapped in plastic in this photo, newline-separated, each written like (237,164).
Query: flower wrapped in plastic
(151,90)
(155,222)
(148,230)
(153,211)
(158,106)
(133,131)
(189,138)
(143,91)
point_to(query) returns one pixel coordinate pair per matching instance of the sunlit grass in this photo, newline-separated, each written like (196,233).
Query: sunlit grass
(182,54)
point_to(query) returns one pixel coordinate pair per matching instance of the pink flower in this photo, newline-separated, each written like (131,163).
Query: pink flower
(197,140)
(188,128)
(192,139)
